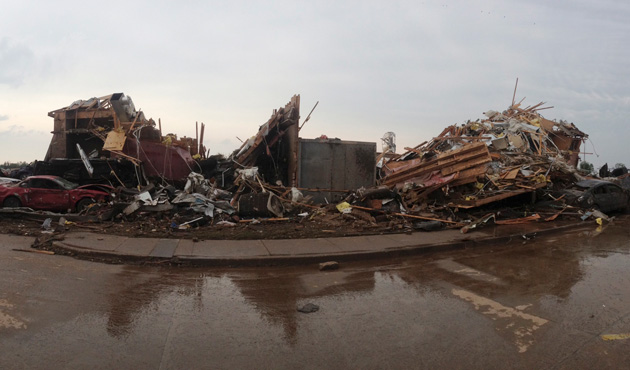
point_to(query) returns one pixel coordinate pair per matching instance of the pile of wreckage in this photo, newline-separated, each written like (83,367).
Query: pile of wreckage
(106,138)
(504,155)
(448,181)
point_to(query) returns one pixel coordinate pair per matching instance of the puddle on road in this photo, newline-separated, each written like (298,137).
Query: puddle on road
(461,269)
(395,308)
(507,319)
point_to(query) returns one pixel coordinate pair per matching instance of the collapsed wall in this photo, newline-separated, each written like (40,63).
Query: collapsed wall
(109,130)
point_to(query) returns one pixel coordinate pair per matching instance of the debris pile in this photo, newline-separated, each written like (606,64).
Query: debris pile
(274,147)
(107,139)
(461,178)
(501,156)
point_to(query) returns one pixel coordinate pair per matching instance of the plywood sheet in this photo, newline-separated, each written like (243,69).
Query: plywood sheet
(115,140)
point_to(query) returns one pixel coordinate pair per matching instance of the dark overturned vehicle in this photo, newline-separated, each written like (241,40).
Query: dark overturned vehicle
(596,194)
(52,193)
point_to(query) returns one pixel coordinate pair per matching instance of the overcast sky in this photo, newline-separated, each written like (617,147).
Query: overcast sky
(412,67)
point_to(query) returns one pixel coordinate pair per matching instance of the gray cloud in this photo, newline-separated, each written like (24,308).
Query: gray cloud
(407,66)
(3,117)
(21,131)
(16,62)
(23,144)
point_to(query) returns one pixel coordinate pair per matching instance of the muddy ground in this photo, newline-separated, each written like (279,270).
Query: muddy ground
(162,228)
(293,228)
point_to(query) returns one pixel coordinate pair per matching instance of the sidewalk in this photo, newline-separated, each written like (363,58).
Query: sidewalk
(292,251)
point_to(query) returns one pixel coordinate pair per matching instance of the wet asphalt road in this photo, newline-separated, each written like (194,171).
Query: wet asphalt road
(544,303)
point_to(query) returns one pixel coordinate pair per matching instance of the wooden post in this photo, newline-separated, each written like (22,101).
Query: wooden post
(134,121)
(514,96)
(201,151)
(309,116)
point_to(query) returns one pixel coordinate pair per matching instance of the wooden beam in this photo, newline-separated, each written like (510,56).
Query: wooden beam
(201,147)
(309,116)
(452,161)
(134,122)
(410,150)
(508,194)
(98,113)
(514,95)
(462,137)
(406,215)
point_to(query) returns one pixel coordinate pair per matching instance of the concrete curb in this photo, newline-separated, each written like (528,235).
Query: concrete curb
(399,250)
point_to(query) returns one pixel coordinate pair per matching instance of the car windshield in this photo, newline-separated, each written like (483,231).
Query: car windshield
(66,184)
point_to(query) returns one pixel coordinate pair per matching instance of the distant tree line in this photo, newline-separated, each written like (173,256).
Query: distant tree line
(14,164)
(604,171)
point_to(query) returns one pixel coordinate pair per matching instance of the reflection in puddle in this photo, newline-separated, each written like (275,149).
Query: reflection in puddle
(514,301)
(458,268)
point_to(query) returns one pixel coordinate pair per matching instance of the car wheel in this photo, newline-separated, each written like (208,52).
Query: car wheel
(12,202)
(84,203)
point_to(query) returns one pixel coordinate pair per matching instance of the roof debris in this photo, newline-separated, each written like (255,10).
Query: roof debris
(505,168)
(484,161)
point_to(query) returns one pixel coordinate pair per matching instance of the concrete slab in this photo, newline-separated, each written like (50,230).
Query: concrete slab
(136,247)
(96,242)
(297,247)
(368,243)
(164,248)
(184,248)
(428,238)
(230,249)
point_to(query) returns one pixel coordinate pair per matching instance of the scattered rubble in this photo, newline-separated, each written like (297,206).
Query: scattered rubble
(505,168)
(502,156)
(308,308)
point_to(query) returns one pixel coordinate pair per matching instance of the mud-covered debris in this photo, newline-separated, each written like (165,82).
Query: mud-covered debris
(330,265)
(46,226)
(45,241)
(477,223)
(428,225)
(308,308)
(528,236)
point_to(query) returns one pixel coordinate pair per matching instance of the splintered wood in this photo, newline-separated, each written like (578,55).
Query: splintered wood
(268,135)
(469,157)
(507,154)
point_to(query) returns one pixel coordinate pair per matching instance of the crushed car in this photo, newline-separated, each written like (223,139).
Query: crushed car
(51,193)
(8,180)
(596,194)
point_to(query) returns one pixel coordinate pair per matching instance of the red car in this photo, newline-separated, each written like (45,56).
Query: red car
(51,193)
